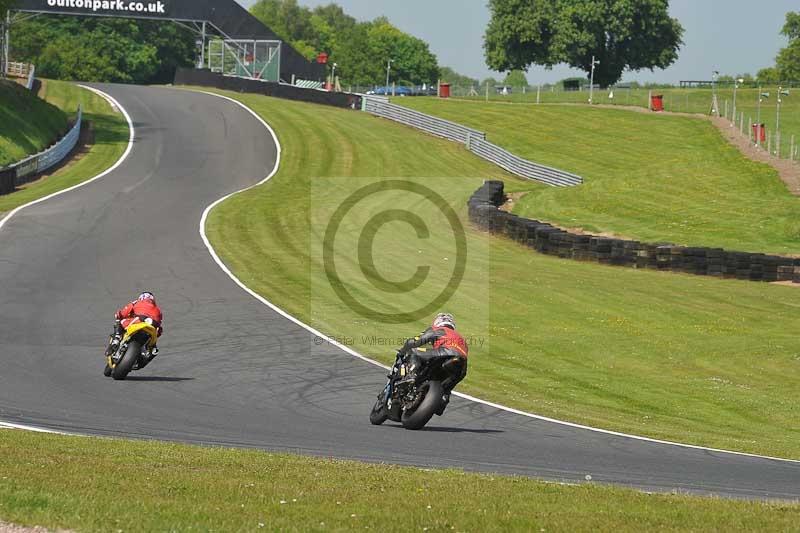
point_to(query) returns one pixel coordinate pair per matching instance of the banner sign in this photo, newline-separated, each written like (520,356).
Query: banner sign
(101,7)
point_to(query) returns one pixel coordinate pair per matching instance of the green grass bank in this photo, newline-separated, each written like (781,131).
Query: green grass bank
(27,124)
(654,178)
(110,138)
(689,100)
(115,485)
(678,357)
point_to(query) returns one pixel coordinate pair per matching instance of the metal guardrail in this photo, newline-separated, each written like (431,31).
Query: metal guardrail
(522,167)
(474,140)
(16,174)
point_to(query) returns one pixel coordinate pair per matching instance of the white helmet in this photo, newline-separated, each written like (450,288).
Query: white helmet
(444,320)
(146,296)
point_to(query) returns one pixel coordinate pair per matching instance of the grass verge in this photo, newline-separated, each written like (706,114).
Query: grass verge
(650,177)
(678,357)
(682,101)
(116,485)
(110,131)
(27,124)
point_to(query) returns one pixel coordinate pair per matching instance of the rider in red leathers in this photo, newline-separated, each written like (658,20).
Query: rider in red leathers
(143,308)
(445,340)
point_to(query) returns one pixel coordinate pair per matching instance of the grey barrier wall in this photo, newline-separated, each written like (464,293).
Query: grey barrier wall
(548,239)
(21,172)
(206,78)
(474,140)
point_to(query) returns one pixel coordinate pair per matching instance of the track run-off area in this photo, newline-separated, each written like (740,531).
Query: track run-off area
(237,372)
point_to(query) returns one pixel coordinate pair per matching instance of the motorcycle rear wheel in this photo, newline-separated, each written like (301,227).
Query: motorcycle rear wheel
(426,408)
(124,367)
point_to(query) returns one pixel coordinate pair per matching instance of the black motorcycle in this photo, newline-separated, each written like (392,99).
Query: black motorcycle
(413,398)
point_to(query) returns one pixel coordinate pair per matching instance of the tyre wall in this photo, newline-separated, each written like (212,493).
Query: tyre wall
(548,239)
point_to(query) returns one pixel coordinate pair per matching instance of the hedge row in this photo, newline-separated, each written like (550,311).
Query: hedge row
(547,239)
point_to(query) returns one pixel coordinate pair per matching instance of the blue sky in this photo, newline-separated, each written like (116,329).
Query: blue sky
(732,36)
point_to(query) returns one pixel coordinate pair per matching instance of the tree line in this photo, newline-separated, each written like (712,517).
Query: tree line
(361,50)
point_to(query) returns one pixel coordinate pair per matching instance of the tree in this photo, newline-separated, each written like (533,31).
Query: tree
(621,34)
(491,82)
(788,60)
(413,62)
(100,49)
(516,78)
(448,75)
(768,75)
(360,49)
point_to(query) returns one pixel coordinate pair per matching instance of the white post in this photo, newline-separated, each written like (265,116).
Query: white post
(203,46)
(6,36)
(591,81)
(726,110)
(487,92)
(538,93)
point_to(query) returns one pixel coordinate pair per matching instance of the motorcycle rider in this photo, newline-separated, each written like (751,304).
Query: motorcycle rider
(142,308)
(445,341)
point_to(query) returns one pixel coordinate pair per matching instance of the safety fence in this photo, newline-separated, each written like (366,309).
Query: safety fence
(18,70)
(550,240)
(474,140)
(25,71)
(20,173)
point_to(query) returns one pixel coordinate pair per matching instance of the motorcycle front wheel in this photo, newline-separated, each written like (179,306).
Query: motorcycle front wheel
(124,367)
(379,412)
(432,392)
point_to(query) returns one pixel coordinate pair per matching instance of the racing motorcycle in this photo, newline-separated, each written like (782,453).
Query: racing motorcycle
(413,398)
(135,349)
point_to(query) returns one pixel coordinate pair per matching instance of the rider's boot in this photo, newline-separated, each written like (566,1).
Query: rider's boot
(153,353)
(445,402)
(113,344)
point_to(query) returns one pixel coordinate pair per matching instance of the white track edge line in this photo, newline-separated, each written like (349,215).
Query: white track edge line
(113,103)
(35,429)
(131,136)
(352,352)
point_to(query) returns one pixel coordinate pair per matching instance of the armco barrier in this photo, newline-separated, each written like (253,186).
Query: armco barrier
(548,239)
(20,173)
(206,78)
(474,140)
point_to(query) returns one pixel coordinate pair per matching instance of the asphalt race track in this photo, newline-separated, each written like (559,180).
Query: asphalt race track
(232,371)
